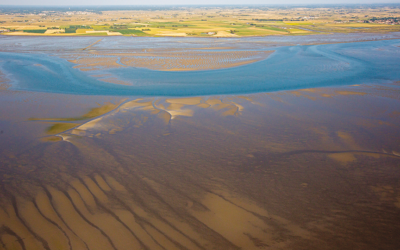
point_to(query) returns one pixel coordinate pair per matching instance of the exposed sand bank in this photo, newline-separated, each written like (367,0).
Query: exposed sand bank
(166,60)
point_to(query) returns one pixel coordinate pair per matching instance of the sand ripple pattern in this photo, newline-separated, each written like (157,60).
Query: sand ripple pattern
(104,211)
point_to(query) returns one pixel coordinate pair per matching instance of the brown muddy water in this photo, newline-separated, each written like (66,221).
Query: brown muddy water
(305,169)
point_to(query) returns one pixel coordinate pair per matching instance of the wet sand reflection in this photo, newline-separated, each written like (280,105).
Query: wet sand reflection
(305,169)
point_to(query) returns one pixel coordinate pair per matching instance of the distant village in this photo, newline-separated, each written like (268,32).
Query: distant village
(385,20)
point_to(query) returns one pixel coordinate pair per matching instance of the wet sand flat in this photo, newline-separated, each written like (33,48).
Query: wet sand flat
(167,60)
(304,169)
(239,144)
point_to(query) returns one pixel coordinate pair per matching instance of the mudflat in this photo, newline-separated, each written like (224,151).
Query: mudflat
(270,153)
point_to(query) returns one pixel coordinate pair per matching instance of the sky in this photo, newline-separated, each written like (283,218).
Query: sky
(185,2)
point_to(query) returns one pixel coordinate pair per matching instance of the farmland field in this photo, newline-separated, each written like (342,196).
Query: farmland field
(212,22)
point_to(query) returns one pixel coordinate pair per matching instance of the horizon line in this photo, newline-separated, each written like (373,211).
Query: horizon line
(259,4)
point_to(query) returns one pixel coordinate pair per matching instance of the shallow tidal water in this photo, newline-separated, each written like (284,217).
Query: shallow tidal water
(290,66)
(309,160)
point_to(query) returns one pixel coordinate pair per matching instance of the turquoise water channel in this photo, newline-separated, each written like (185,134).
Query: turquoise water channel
(289,67)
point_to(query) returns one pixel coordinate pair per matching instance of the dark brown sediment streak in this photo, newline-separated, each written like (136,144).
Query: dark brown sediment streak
(142,221)
(3,245)
(43,241)
(54,223)
(87,221)
(3,190)
(156,195)
(48,194)
(168,185)
(99,204)
(222,197)
(84,202)
(1,241)
(151,236)
(202,223)
(161,232)
(7,230)
(138,199)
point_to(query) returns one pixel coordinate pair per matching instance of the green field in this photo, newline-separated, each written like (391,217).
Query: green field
(35,31)
(131,32)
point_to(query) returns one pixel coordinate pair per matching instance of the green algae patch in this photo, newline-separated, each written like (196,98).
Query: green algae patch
(93,113)
(60,127)
(107,107)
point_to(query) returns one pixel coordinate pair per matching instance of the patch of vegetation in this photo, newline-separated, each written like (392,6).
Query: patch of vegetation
(131,32)
(80,26)
(70,30)
(73,28)
(274,28)
(35,31)
(101,27)
(60,127)
(119,27)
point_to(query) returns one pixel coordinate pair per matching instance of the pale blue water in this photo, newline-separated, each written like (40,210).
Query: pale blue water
(289,67)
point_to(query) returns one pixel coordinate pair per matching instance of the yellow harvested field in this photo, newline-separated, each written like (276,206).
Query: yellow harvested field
(54,31)
(82,31)
(225,34)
